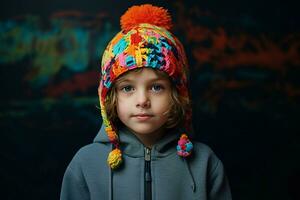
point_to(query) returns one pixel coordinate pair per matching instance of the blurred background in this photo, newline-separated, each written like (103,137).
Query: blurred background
(245,67)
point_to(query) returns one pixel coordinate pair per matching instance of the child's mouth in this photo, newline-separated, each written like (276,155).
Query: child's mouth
(143,117)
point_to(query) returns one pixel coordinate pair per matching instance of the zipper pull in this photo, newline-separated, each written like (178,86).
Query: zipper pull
(147,154)
(147,165)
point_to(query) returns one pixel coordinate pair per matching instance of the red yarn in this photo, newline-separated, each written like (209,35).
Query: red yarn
(146,13)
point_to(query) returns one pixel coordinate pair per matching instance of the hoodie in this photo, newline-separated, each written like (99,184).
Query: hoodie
(157,174)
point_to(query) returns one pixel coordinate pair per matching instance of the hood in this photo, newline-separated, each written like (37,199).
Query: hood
(133,147)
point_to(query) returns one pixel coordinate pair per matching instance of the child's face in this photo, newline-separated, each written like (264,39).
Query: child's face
(143,101)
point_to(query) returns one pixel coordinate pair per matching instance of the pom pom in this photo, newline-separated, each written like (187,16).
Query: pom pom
(114,159)
(146,13)
(185,146)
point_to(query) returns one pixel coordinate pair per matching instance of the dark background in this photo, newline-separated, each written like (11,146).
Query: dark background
(245,67)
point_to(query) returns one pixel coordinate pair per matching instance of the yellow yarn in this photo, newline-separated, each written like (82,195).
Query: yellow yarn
(138,58)
(114,159)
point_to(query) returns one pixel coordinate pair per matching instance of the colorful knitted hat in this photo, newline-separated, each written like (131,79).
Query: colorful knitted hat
(144,41)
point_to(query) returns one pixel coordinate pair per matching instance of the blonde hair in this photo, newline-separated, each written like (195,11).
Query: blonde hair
(180,105)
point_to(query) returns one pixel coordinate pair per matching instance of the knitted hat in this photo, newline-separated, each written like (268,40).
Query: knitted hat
(144,41)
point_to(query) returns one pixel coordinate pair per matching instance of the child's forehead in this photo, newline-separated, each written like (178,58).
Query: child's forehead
(146,73)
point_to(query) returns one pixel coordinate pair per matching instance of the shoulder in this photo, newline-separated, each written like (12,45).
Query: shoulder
(204,157)
(94,153)
(206,165)
(85,172)
(93,147)
(203,150)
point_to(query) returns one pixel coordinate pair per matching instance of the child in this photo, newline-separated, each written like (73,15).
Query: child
(145,109)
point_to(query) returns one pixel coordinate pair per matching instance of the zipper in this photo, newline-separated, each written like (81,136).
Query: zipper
(148,179)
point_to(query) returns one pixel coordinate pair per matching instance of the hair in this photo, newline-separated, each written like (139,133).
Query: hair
(180,105)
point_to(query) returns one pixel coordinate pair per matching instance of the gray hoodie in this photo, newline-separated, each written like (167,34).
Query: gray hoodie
(167,176)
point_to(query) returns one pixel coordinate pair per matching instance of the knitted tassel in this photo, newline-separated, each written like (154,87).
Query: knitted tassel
(185,146)
(114,158)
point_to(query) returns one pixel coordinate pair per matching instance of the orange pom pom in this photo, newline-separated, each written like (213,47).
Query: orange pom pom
(146,13)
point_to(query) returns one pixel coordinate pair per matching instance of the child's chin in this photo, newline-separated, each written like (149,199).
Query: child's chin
(146,130)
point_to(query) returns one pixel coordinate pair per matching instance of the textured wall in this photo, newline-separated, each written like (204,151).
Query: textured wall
(244,62)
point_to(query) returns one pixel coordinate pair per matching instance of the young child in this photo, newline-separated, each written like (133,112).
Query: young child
(142,150)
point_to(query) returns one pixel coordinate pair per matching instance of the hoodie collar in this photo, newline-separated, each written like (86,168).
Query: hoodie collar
(133,147)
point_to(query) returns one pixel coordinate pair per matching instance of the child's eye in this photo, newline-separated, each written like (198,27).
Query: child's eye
(157,87)
(127,88)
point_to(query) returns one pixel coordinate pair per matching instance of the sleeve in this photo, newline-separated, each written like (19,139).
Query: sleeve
(74,186)
(219,187)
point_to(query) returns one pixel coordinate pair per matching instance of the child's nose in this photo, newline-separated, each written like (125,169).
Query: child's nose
(143,100)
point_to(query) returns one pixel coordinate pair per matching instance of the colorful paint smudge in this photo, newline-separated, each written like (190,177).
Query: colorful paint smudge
(227,61)
(66,43)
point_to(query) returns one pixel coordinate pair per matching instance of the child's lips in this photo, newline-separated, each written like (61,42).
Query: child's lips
(142,117)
